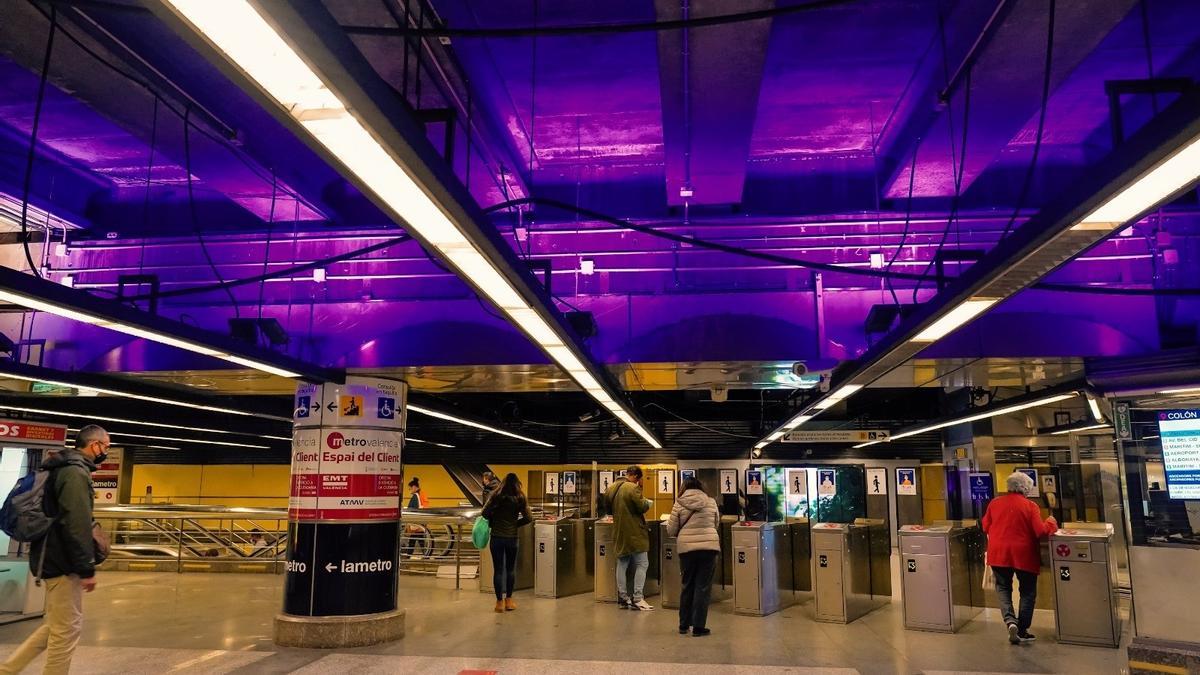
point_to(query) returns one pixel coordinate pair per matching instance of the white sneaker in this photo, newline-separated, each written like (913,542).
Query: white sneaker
(642,605)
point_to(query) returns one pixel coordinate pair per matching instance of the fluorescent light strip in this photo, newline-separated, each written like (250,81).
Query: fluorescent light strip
(1094,405)
(417,440)
(992,413)
(1170,176)
(198,441)
(37,304)
(1185,390)
(139,397)
(868,443)
(955,319)
(101,418)
(254,46)
(471,423)
(1087,428)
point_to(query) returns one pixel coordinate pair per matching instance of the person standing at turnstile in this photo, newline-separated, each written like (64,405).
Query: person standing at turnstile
(693,521)
(1015,528)
(631,539)
(505,511)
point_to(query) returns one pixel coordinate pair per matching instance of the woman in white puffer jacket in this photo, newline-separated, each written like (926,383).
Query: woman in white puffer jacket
(693,521)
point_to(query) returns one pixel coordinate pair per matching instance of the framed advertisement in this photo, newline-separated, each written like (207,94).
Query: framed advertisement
(729,481)
(754,482)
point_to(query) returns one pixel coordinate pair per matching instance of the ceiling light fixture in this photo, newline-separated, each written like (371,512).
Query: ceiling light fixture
(1167,177)
(1094,406)
(955,319)
(418,440)
(259,52)
(199,441)
(1088,427)
(1181,391)
(140,397)
(1003,410)
(472,423)
(122,420)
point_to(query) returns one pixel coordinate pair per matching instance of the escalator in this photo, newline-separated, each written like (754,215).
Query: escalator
(469,479)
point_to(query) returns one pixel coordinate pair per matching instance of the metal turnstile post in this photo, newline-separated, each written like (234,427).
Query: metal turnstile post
(672,576)
(762,568)
(936,576)
(605,586)
(1085,585)
(844,571)
(562,556)
(525,547)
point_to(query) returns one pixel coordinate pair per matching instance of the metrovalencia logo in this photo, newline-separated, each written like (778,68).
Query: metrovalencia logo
(335,441)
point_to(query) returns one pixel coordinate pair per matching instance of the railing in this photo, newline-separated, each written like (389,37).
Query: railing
(183,538)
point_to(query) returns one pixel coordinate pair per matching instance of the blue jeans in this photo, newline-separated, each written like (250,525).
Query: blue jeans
(641,563)
(504,565)
(1004,589)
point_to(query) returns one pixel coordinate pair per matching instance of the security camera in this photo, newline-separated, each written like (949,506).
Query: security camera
(799,368)
(719,393)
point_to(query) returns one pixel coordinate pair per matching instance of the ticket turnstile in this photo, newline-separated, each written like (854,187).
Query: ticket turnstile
(525,547)
(936,577)
(851,569)
(762,568)
(605,588)
(668,565)
(801,537)
(562,561)
(1085,584)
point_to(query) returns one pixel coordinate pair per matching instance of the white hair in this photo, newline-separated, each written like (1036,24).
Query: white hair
(1019,482)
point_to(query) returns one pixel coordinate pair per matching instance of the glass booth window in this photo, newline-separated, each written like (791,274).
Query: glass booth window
(1162,466)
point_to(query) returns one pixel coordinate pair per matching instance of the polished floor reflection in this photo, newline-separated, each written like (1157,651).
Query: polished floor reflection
(221,623)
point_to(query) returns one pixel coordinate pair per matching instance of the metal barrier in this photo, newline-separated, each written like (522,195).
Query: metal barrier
(196,538)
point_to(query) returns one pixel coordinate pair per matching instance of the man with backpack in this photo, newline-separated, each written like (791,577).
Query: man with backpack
(65,557)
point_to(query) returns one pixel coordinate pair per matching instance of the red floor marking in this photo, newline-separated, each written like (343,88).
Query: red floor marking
(477,672)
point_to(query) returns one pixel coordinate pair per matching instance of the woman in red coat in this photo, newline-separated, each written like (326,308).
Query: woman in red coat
(1014,527)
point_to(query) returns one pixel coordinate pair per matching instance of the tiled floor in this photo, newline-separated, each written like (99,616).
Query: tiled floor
(218,623)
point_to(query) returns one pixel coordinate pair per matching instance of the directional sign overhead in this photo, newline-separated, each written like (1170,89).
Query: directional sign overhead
(836,436)
(360,402)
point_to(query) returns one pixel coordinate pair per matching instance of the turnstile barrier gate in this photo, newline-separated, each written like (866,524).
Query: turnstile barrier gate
(525,563)
(605,588)
(762,568)
(562,556)
(936,576)
(1085,584)
(847,580)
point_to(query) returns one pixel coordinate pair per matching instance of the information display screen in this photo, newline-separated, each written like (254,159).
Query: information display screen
(1179,432)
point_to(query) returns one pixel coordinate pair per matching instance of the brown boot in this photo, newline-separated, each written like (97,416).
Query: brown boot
(499,606)
(509,605)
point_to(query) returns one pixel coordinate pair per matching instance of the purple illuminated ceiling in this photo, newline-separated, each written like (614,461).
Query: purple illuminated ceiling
(801,131)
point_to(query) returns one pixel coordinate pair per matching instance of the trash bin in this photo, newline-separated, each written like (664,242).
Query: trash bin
(936,577)
(1085,584)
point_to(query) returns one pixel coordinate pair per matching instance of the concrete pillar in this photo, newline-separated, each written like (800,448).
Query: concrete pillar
(343,553)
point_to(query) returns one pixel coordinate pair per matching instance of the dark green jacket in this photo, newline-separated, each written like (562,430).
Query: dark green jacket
(506,514)
(628,508)
(69,547)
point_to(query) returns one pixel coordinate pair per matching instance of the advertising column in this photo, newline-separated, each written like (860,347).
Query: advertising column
(344,515)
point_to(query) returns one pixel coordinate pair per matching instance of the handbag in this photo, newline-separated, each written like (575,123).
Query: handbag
(989,578)
(481,533)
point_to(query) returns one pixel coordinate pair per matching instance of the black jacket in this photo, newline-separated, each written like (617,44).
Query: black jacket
(506,514)
(69,547)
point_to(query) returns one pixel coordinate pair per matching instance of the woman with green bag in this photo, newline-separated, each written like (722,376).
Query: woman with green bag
(506,511)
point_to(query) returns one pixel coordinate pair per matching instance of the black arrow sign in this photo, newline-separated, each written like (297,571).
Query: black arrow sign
(331,407)
(316,406)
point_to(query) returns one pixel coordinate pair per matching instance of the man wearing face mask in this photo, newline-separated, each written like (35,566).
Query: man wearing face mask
(66,556)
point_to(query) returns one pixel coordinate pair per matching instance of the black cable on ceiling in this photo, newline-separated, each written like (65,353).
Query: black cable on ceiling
(33,136)
(912,177)
(694,241)
(599,28)
(187,169)
(309,266)
(804,264)
(1041,125)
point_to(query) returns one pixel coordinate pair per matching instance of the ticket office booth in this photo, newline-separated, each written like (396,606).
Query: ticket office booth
(23,446)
